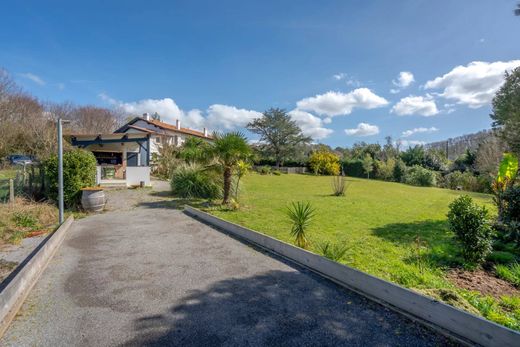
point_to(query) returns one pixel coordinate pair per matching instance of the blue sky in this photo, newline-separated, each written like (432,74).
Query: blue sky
(347,70)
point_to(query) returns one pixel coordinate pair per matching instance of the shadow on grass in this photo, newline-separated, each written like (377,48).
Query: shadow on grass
(276,308)
(440,248)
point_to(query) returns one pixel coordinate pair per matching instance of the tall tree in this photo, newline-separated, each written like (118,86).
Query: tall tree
(279,134)
(506,110)
(229,150)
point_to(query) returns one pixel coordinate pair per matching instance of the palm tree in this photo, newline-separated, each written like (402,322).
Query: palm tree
(229,150)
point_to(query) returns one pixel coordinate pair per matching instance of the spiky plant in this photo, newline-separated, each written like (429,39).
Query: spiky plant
(333,252)
(301,215)
(339,185)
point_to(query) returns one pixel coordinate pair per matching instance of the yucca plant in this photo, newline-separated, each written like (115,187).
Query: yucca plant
(301,215)
(339,185)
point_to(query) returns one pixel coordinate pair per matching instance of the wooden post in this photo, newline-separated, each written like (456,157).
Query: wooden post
(11,191)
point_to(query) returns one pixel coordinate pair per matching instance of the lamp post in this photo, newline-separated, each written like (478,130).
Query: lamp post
(60,167)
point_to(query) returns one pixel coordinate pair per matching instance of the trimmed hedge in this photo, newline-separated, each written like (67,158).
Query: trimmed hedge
(354,168)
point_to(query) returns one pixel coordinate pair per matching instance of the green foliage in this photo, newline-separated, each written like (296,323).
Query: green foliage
(324,163)
(510,273)
(301,215)
(399,171)
(277,172)
(195,181)
(79,171)
(368,164)
(242,168)
(165,160)
(465,180)
(384,170)
(339,185)
(508,168)
(501,257)
(229,149)
(506,110)
(334,252)
(419,176)
(354,168)
(264,170)
(469,222)
(413,156)
(25,220)
(279,134)
(195,150)
(510,214)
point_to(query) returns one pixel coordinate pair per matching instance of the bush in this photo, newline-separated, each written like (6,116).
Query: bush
(301,215)
(465,180)
(384,170)
(324,163)
(472,230)
(354,168)
(339,185)
(195,181)
(399,171)
(334,252)
(79,171)
(264,170)
(510,273)
(277,172)
(419,176)
(510,216)
(501,257)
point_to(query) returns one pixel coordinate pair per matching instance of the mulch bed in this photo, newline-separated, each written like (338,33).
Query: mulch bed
(482,281)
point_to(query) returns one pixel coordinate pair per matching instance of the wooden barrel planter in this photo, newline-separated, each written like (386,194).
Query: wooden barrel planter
(93,199)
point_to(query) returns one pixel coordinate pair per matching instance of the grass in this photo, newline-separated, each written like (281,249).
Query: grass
(5,175)
(510,273)
(394,231)
(24,217)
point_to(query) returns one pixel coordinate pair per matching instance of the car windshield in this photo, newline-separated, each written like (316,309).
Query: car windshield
(21,157)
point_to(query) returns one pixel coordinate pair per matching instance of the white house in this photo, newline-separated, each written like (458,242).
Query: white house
(161,132)
(124,156)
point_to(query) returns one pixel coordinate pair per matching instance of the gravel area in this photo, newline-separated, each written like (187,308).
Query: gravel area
(146,275)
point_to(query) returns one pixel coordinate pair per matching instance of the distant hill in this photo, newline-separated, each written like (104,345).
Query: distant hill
(457,146)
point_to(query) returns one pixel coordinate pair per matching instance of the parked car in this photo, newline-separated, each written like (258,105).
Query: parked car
(19,159)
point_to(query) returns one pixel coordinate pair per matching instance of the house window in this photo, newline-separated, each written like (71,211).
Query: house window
(158,139)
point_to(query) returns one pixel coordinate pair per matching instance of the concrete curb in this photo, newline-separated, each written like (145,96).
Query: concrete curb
(462,325)
(14,293)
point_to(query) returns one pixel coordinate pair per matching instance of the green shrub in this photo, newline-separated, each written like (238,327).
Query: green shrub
(501,257)
(354,168)
(79,171)
(277,172)
(469,222)
(419,176)
(264,170)
(510,273)
(195,181)
(339,185)
(25,220)
(384,170)
(399,171)
(510,216)
(333,252)
(324,163)
(465,180)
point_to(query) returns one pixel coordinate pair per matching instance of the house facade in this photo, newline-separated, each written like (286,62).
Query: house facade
(124,157)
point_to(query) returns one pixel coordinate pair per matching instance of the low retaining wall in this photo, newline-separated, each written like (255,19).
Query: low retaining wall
(14,293)
(458,323)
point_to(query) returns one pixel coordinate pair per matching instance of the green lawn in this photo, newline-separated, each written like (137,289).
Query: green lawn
(5,175)
(381,221)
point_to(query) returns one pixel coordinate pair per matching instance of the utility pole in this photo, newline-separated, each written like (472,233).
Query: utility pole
(60,170)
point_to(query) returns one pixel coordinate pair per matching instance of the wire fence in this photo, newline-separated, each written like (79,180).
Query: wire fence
(28,181)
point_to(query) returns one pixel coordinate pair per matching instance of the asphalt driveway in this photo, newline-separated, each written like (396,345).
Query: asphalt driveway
(149,275)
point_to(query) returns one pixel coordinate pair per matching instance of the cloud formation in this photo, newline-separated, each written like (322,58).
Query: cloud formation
(473,85)
(229,117)
(404,79)
(336,103)
(415,105)
(35,78)
(311,125)
(363,129)
(410,132)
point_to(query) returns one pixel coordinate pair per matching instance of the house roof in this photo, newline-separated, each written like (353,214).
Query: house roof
(162,125)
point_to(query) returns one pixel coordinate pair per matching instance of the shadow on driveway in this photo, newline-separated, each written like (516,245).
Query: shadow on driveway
(278,308)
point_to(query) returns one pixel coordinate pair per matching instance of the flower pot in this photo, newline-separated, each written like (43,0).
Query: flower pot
(93,199)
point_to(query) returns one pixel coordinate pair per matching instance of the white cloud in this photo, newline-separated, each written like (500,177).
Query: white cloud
(311,125)
(404,79)
(337,103)
(229,117)
(349,80)
(474,84)
(411,143)
(339,76)
(363,129)
(419,105)
(35,78)
(217,117)
(410,132)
